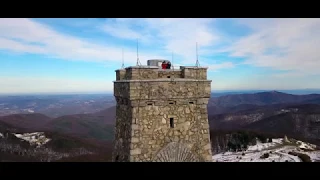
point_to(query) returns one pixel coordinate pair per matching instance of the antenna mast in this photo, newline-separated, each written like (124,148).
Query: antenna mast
(197,62)
(122,66)
(172,61)
(138,62)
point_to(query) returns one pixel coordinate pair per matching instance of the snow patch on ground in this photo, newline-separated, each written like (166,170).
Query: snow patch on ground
(35,138)
(277,151)
(261,146)
(304,145)
(314,156)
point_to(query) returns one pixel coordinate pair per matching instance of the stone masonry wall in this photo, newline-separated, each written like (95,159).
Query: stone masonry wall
(169,74)
(163,89)
(121,89)
(120,74)
(121,151)
(194,73)
(151,130)
(141,73)
(155,73)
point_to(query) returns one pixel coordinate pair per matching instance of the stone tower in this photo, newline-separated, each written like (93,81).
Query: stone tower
(161,114)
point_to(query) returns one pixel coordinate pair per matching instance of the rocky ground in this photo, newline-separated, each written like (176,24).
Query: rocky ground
(279,150)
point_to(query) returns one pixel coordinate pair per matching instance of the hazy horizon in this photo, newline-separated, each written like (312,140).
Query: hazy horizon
(248,91)
(76,55)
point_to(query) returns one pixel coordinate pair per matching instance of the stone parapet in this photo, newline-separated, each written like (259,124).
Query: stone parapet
(162,89)
(154,72)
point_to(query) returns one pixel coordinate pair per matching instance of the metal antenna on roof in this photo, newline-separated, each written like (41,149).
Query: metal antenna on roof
(197,62)
(172,65)
(138,62)
(172,61)
(122,66)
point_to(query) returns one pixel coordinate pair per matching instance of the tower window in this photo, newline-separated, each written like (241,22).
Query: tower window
(168,76)
(171,123)
(190,102)
(149,103)
(171,102)
(117,158)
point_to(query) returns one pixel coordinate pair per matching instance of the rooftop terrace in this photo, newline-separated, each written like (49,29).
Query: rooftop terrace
(144,72)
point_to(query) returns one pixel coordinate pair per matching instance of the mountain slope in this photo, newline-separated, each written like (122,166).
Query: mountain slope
(263,98)
(304,122)
(26,121)
(46,146)
(96,126)
(85,141)
(88,126)
(239,118)
(109,115)
(312,101)
(299,121)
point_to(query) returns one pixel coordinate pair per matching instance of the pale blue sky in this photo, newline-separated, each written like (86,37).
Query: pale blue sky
(80,55)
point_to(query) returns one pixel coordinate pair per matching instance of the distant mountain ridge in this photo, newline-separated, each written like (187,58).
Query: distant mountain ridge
(55,105)
(100,125)
(302,120)
(262,98)
(27,121)
(217,93)
(260,111)
(97,126)
(235,102)
(58,146)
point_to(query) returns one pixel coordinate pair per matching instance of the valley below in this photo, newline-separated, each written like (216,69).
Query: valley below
(241,126)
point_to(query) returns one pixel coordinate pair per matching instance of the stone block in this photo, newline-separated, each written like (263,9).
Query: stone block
(136,151)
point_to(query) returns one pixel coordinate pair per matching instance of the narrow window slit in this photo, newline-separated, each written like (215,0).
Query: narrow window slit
(172,102)
(150,103)
(171,123)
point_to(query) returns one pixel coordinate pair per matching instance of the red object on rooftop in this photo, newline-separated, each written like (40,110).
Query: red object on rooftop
(164,65)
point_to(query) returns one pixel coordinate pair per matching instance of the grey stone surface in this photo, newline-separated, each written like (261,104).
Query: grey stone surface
(147,107)
(176,152)
(153,72)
